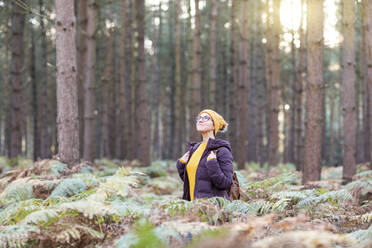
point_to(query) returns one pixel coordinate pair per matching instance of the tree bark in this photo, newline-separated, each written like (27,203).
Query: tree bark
(367,97)
(35,105)
(90,83)
(367,5)
(299,93)
(292,128)
(195,86)
(123,84)
(143,123)
(7,97)
(348,89)
(67,101)
(275,87)
(213,58)
(244,80)
(81,66)
(108,90)
(45,123)
(234,81)
(18,22)
(314,118)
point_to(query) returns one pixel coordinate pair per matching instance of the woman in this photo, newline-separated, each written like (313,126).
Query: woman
(205,173)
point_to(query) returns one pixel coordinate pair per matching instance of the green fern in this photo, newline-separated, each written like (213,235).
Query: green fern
(15,212)
(41,216)
(240,206)
(364,174)
(131,208)
(176,207)
(332,196)
(17,191)
(89,209)
(69,187)
(272,183)
(364,186)
(75,233)
(17,235)
(57,168)
(362,236)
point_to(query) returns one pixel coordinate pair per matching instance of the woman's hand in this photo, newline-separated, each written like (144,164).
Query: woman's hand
(211,155)
(185,157)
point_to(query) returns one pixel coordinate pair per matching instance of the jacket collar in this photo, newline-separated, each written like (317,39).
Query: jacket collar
(211,145)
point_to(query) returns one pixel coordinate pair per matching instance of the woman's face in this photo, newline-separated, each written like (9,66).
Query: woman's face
(205,123)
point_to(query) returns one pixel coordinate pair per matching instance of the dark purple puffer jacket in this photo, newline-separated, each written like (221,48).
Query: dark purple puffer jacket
(213,178)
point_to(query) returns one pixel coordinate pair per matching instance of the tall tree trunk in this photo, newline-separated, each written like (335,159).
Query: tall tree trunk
(292,128)
(45,123)
(7,98)
(195,86)
(90,83)
(233,112)
(367,97)
(123,84)
(172,86)
(67,101)
(299,90)
(367,5)
(156,135)
(244,80)
(275,87)
(143,123)
(269,75)
(35,105)
(314,118)
(332,132)
(179,93)
(213,58)
(348,83)
(81,66)
(108,89)
(18,22)
(252,86)
(260,87)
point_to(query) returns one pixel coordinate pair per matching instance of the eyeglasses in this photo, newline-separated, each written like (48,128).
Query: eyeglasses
(203,118)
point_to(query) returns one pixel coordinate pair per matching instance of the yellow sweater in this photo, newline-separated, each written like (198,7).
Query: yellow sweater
(192,166)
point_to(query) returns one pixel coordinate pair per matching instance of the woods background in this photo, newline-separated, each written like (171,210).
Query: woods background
(292,78)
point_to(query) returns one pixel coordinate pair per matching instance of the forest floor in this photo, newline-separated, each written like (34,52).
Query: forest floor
(116,204)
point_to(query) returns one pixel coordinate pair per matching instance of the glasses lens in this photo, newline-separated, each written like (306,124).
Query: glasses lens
(203,118)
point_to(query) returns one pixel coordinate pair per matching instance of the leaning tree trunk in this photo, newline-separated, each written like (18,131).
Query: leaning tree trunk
(314,118)
(244,80)
(274,88)
(348,89)
(18,22)
(195,87)
(90,83)
(67,101)
(143,123)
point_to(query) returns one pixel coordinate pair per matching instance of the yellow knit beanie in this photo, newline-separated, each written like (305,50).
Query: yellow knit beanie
(219,123)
